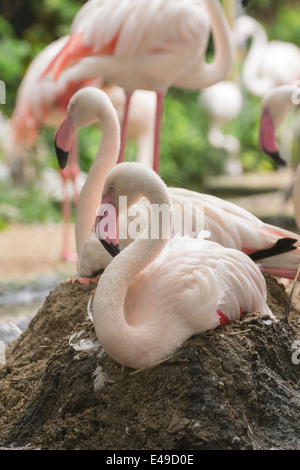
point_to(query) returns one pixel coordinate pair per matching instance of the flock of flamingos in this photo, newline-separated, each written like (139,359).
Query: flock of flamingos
(115,68)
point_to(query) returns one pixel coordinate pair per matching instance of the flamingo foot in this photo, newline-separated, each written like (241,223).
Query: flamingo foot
(71,257)
(87,280)
(82,280)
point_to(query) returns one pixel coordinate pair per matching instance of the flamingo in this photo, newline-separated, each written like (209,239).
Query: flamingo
(275,106)
(159,291)
(43,103)
(138,44)
(268,63)
(223,103)
(274,248)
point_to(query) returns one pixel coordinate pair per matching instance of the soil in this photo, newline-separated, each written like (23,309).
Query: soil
(236,387)
(23,253)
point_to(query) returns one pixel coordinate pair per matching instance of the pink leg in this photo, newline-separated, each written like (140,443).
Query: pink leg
(124,129)
(66,219)
(286,274)
(159,108)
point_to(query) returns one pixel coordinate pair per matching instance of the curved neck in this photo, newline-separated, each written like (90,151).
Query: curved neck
(206,74)
(223,43)
(90,196)
(121,340)
(252,65)
(285,97)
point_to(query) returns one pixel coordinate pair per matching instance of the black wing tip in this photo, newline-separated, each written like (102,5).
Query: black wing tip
(62,157)
(283,245)
(245,3)
(111,248)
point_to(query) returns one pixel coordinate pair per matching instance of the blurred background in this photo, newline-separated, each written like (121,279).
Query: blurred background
(30,220)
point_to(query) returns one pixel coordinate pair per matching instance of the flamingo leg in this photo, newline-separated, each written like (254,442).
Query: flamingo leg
(157,130)
(66,254)
(124,128)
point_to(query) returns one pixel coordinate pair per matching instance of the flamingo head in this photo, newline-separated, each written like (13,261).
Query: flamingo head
(63,140)
(84,109)
(267,139)
(275,105)
(106,225)
(119,183)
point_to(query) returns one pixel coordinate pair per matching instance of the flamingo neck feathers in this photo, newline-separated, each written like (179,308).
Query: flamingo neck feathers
(204,74)
(106,157)
(130,345)
(223,43)
(253,62)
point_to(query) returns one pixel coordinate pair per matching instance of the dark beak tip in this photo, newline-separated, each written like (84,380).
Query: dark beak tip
(111,248)
(278,159)
(62,157)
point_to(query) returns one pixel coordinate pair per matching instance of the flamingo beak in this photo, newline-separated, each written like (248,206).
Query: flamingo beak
(267,140)
(106,226)
(63,139)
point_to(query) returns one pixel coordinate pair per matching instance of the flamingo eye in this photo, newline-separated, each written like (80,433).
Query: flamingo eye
(111,188)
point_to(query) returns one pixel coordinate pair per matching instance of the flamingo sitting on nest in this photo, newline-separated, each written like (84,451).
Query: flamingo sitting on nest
(274,248)
(138,44)
(159,291)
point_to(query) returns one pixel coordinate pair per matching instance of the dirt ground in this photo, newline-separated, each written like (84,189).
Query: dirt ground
(23,254)
(236,387)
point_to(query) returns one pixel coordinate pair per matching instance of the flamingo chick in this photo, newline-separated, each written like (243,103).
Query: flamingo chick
(160,291)
(228,224)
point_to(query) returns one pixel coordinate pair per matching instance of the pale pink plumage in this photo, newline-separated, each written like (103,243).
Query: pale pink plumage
(228,224)
(138,44)
(158,292)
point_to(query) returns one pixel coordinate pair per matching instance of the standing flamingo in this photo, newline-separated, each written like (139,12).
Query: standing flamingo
(138,44)
(223,103)
(268,63)
(228,224)
(160,291)
(275,106)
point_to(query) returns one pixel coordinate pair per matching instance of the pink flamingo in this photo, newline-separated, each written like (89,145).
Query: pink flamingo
(43,103)
(274,248)
(275,106)
(268,63)
(160,291)
(138,44)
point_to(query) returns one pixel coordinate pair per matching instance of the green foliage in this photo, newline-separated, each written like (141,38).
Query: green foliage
(26,205)
(187,158)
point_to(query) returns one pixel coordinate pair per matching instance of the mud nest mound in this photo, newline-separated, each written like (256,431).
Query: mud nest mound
(236,387)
